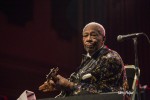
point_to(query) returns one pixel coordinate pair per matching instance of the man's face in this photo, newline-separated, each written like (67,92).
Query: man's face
(92,39)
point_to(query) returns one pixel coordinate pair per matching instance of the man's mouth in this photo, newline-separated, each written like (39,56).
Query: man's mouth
(89,45)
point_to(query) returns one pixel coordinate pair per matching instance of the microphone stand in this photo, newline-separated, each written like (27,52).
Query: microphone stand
(137,69)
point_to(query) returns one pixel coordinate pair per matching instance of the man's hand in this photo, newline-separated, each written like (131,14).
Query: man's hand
(58,83)
(47,86)
(63,82)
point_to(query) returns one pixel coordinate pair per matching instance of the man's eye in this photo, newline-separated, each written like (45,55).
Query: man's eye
(85,35)
(94,35)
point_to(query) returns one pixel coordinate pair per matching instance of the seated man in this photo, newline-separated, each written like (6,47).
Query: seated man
(101,69)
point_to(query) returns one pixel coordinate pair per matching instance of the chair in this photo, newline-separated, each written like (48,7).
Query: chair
(132,78)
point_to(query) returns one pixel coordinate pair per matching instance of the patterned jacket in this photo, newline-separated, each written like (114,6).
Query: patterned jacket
(102,72)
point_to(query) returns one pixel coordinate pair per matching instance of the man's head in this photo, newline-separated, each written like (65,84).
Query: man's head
(93,37)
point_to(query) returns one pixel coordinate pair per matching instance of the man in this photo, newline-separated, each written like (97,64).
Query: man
(101,69)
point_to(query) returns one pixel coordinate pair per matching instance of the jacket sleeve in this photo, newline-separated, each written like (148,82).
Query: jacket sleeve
(110,73)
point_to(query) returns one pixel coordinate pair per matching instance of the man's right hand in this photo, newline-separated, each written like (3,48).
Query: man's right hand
(59,83)
(47,86)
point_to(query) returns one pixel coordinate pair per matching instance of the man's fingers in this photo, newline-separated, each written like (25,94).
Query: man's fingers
(51,82)
(46,90)
(42,87)
(47,86)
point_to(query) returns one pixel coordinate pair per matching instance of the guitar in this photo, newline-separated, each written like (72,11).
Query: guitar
(55,82)
(52,74)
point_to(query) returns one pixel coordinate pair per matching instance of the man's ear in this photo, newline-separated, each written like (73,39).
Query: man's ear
(104,38)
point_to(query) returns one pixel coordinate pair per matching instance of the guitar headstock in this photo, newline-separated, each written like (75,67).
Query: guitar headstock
(52,73)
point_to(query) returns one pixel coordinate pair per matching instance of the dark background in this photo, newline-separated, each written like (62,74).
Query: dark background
(36,35)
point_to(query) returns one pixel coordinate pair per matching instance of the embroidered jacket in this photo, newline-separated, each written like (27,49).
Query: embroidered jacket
(102,72)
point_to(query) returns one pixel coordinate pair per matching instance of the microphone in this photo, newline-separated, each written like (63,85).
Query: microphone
(128,36)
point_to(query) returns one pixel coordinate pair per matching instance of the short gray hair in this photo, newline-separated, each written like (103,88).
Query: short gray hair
(100,27)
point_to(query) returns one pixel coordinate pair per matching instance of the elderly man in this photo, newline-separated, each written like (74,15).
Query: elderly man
(101,69)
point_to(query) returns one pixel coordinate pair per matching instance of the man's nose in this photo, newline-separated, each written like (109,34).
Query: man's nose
(89,38)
